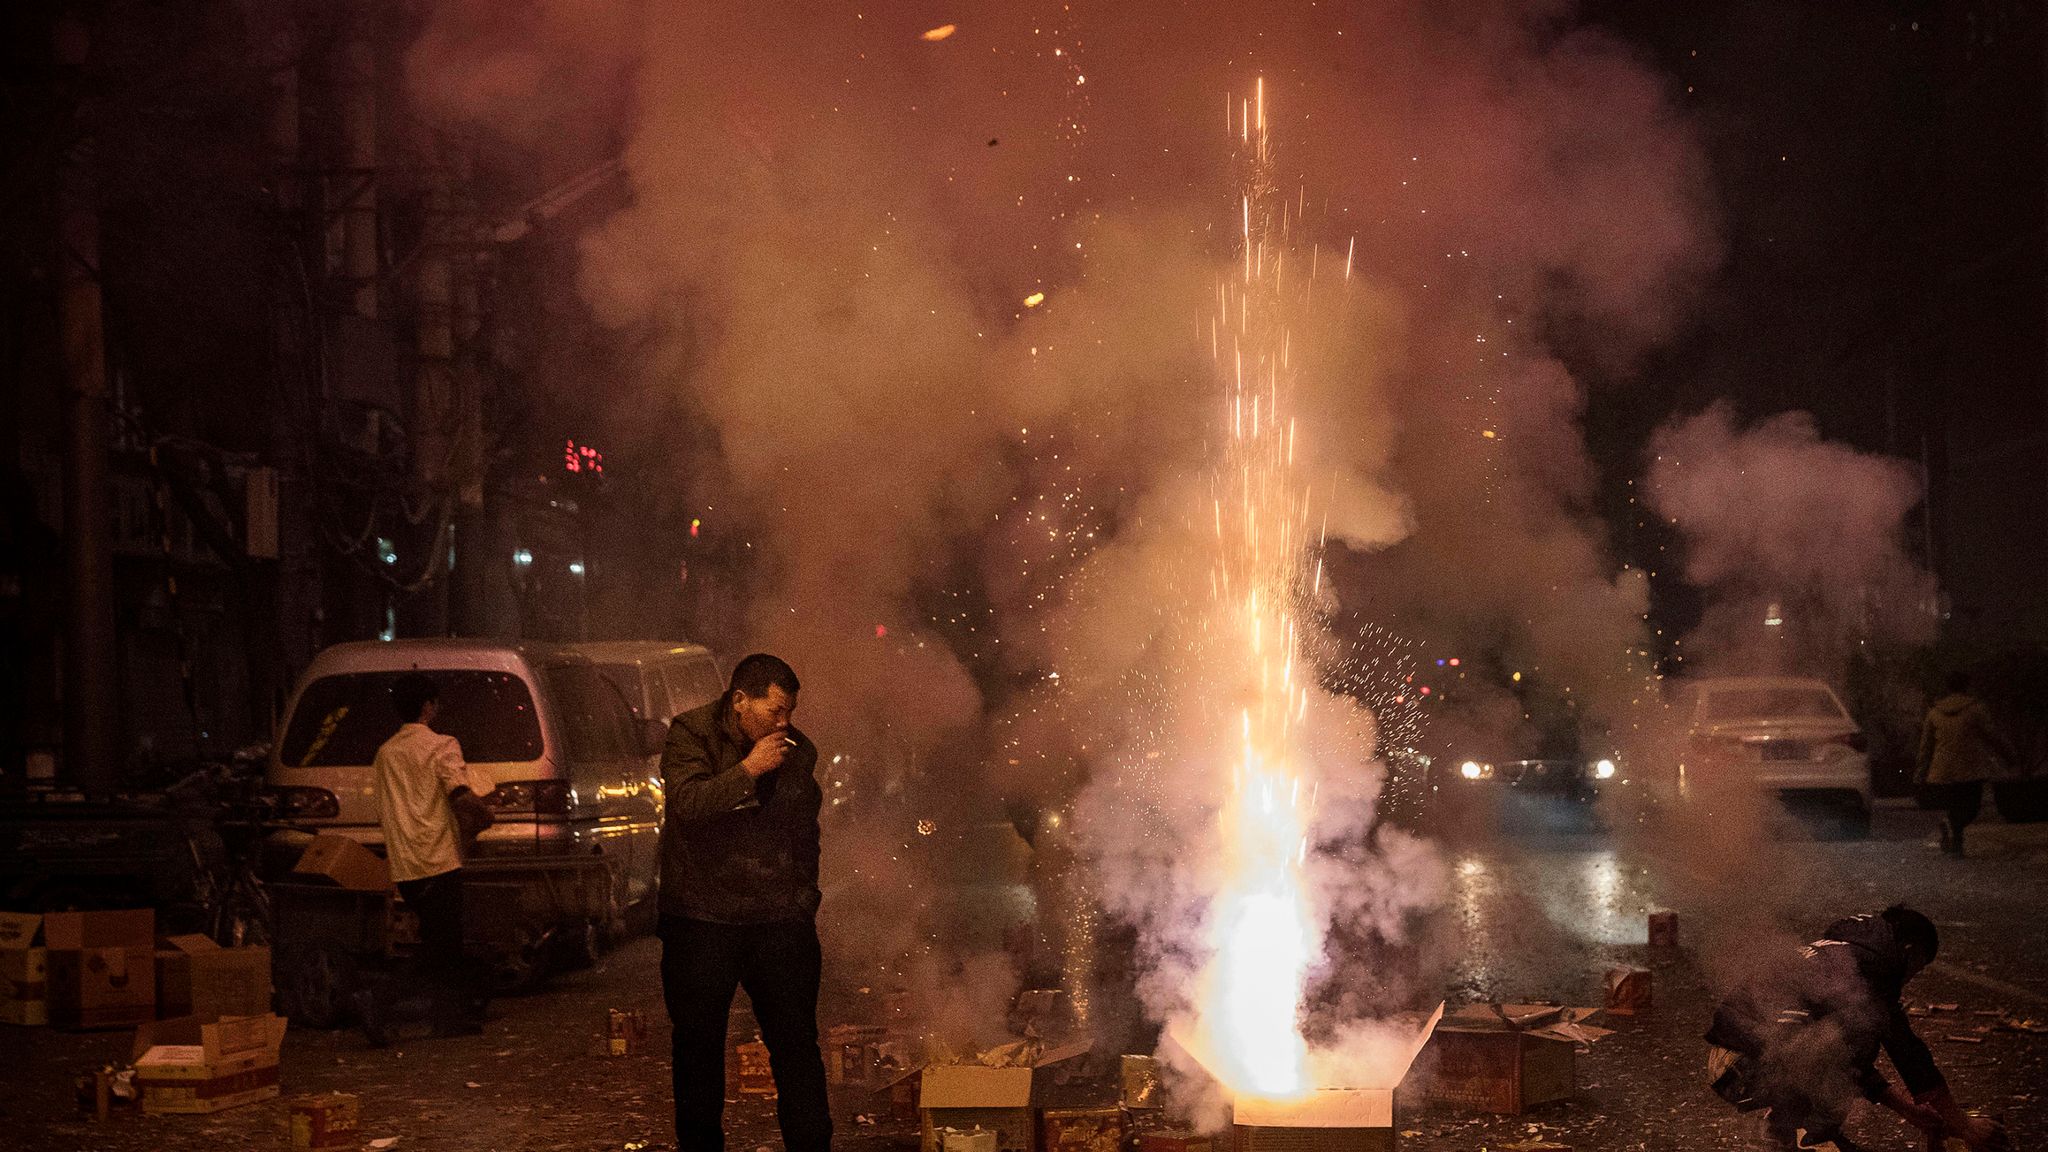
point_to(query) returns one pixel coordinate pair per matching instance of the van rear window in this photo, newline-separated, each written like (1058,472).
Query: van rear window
(343,719)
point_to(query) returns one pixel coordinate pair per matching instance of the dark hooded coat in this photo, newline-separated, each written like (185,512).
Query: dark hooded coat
(1959,743)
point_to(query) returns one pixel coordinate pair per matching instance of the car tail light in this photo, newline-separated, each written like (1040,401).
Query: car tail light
(300,803)
(1854,741)
(540,797)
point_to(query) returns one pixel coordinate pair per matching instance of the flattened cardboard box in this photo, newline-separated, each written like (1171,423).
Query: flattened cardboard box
(102,967)
(193,1066)
(24,969)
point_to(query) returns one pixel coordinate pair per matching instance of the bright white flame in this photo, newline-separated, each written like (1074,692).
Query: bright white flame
(1471,770)
(1604,769)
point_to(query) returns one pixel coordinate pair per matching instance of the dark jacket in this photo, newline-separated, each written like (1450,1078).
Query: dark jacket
(735,850)
(1815,1026)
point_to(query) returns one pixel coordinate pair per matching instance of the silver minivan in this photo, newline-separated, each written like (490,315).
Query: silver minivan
(659,679)
(556,748)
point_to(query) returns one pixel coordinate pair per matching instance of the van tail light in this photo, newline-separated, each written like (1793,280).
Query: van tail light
(300,803)
(540,797)
(1853,741)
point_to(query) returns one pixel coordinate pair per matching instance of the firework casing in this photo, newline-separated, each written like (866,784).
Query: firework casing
(1628,991)
(1664,930)
(1330,1119)
(330,1120)
(756,1077)
(624,1031)
(900,1093)
(1081,1130)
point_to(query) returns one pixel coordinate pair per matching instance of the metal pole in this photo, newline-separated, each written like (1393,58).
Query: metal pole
(91,692)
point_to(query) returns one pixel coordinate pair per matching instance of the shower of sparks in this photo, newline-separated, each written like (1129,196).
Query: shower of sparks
(1262,930)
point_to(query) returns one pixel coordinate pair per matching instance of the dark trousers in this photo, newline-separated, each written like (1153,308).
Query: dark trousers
(1962,802)
(439,968)
(779,966)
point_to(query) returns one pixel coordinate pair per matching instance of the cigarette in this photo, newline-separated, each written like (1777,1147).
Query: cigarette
(789,740)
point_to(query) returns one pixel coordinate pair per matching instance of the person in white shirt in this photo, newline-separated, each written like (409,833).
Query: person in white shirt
(420,775)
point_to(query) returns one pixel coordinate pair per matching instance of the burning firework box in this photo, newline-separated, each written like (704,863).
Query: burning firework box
(196,977)
(1507,1058)
(1081,1130)
(102,967)
(192,1066)
(757,1078)
(24,969)
(1628,991)
(1331,1119)
(853,1053)
(329,1120)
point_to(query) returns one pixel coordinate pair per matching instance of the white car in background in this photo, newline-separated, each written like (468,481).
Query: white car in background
(1784,735)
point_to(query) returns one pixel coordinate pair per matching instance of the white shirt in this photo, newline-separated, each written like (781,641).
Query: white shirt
(415,770)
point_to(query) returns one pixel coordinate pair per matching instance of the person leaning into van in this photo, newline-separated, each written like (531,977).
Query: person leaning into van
(739,900)
(429,814)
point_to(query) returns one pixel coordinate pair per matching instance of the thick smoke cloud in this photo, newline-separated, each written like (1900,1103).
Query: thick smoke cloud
(1800,542)
(834,226)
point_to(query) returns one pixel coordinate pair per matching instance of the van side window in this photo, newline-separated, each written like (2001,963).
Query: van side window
(593,716)
(341,720)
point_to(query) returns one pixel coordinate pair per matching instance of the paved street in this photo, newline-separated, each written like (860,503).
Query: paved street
(1533,919)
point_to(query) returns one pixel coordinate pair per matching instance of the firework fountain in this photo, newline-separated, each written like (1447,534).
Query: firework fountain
(1262,929)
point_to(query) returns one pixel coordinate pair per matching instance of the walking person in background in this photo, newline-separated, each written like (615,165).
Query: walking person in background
(739,900)
(429,814)
(1960,748)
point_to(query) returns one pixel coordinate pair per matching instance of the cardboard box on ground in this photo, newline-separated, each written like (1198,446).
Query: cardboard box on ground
(328,1120)
(24,969)
(1354,1119)
(102,967)
(1507,1058)
(189,1065)
(197,977)
(1003,1099)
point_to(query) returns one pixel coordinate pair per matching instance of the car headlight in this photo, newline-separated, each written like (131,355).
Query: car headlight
(1473,770)
(1603,769)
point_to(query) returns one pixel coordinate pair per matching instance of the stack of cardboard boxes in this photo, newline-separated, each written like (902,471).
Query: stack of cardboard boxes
(24,970)
(102,967)
(205,1038)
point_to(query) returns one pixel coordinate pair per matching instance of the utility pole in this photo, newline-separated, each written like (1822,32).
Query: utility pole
(91,693)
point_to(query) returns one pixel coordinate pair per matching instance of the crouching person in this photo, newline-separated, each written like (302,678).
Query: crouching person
(1799,1041)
